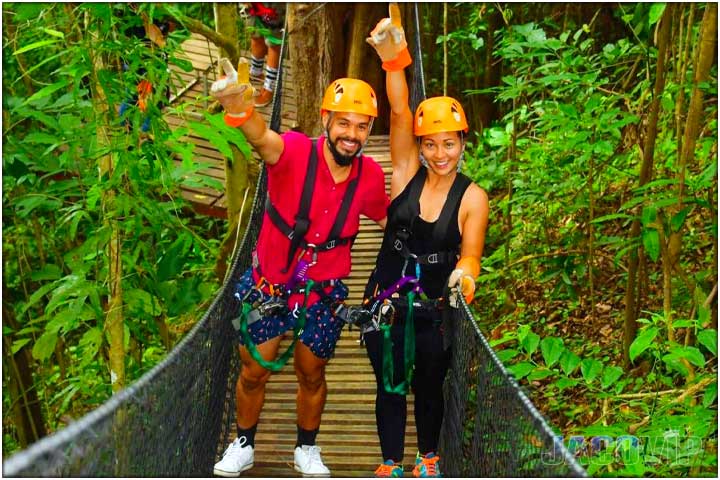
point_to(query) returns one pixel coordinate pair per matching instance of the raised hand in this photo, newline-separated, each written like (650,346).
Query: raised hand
(234,91)
(388,36)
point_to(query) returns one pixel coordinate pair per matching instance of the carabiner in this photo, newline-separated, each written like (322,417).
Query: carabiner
(314,257)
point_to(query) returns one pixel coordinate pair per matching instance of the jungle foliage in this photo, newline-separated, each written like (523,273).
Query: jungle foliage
(105,265)
(599,278)
(595,136)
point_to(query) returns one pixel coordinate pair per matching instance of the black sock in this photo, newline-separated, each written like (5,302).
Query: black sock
(249,435)
(306,437)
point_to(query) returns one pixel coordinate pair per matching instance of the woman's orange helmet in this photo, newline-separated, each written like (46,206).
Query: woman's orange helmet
(350,95)
(439,114)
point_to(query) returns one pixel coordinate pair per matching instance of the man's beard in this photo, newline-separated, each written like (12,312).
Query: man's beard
(340,159)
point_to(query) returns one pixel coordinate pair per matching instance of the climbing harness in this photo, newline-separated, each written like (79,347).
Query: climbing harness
(252,312)
(404,217)
(387,302)
(297,232)
(277,305)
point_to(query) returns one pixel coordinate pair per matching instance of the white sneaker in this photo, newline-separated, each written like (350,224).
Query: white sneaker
(237,458)
(309,463)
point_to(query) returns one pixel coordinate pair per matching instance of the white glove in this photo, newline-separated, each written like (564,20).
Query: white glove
(234,91)
(388,36)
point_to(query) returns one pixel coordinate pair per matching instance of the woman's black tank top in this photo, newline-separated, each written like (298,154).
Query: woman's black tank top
(433,277)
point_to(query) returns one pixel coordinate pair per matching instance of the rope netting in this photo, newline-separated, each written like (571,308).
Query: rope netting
(177,419)
(490,428)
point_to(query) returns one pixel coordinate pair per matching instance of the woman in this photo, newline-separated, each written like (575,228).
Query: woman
(436,216)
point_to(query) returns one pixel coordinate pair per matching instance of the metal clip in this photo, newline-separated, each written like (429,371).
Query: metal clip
(314,259)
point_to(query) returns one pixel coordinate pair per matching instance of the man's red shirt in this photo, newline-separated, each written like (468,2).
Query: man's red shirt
(285,184)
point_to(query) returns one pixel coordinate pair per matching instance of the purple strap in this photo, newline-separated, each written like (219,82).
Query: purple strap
(397,286)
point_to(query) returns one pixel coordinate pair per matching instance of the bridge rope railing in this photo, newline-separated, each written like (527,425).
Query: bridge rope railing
(176,419)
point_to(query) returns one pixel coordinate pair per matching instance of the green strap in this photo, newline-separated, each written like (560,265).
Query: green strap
(409,353)
(277,365)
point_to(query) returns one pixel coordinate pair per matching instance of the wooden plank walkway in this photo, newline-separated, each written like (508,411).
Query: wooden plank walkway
(348,437)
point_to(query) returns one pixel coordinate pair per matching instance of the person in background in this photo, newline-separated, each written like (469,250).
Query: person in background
(265,22)
(317,191)
(432,245)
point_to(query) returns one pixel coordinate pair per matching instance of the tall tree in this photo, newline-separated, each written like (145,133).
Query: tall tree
(646,170)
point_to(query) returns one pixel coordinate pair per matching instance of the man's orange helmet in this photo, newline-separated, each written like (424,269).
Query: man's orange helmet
(439,114)
(350,95)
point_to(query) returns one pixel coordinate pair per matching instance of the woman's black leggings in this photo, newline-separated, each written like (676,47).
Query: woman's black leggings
(431,364)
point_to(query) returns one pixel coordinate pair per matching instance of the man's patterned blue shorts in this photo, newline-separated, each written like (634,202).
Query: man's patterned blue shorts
(322,329)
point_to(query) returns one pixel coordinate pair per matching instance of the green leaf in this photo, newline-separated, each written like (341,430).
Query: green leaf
(184,65)
(651,242)
(590,369)
(42,138)
(139,300)
(49,272)
(36,296)
(211,135)
(692,355)
(612,216)
(673,363)
(656,12)
(710,395)
(530,343)
(46,91)
(44,346)
(172,262)
(610,376)
(708,339)
(551,348)
(91,342)
(18,344)
(649,215)
(563,383)
(521,370)
(33,46)
(54,33)
(569,362)
(678,219)
(539,374)
(506,355)
(642,342)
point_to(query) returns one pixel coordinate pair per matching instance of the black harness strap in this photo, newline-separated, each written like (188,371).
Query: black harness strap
(457,190)
(297,232)
(407,213)
(345,206)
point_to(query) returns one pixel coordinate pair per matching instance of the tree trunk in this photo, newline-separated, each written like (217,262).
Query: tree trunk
(488,110)
(316,50)
(26,409)
(363,62)
(630,322)
(226,24)
(701,69)
(237,180)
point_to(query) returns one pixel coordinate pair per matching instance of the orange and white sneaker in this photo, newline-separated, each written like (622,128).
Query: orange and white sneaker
(264,98)
(389,469)
(426,466)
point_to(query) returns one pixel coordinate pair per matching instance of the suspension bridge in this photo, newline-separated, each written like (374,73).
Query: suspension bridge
(178,418)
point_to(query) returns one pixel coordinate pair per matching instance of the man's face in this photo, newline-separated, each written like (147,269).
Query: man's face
(347,133)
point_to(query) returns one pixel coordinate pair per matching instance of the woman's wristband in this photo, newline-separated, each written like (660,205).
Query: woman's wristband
(398,63)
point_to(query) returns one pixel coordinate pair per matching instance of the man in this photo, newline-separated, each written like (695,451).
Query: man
(300,258)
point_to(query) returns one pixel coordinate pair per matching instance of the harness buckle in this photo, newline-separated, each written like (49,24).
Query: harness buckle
(397,245)
(314,259)
(432,258)
(330,245)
